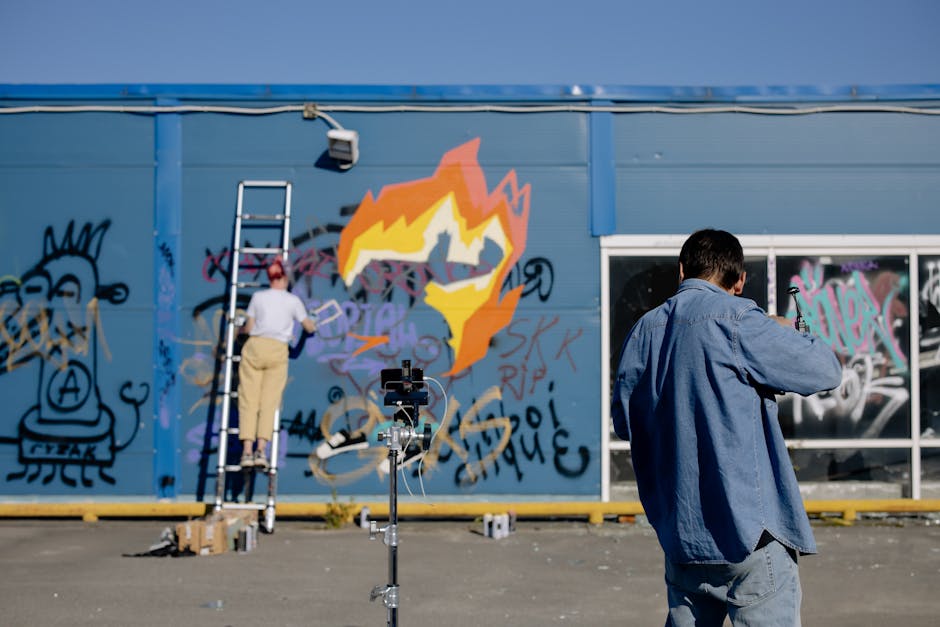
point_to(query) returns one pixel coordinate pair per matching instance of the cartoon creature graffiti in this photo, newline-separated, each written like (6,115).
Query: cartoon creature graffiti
(52,313)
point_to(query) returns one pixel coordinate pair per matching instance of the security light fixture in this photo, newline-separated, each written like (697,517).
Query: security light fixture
(342,143)
(343,146)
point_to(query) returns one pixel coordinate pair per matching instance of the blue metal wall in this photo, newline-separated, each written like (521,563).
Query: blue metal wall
(828,173)
(116,229)
(535,363)
(76,199)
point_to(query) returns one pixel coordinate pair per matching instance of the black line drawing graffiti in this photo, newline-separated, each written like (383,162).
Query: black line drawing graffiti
(52,314)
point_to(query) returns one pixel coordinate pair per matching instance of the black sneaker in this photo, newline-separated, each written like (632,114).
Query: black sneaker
(340,442)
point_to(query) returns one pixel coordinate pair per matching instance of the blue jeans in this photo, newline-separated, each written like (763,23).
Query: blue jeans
(762,591)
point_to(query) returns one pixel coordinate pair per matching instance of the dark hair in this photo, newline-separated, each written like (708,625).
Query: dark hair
(714,256)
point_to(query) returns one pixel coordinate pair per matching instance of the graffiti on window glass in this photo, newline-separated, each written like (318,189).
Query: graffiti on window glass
(860,306)
(929,301)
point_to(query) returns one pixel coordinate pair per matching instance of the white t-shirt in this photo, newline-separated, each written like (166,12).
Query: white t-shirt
(274,313)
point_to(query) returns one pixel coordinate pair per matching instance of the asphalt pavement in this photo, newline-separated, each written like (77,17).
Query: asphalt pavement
(561,572)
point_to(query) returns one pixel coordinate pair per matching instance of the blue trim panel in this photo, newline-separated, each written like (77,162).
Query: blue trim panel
(168,181)
(473,93)
(603,174)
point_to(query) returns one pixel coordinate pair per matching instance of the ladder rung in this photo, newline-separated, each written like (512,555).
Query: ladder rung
(280,217)
(257,506)
(251,250)
(242,284)
(238,468)
(265,183)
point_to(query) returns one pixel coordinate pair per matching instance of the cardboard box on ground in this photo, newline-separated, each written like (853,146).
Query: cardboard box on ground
(235,530)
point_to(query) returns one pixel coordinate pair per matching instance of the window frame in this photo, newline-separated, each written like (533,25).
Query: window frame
(772,247)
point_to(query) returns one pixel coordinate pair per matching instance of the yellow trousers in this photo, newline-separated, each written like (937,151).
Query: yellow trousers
(262,376)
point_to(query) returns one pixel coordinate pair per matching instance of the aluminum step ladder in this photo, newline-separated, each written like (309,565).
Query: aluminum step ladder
(246,257)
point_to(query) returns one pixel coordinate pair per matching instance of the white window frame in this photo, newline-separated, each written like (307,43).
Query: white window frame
(772,246)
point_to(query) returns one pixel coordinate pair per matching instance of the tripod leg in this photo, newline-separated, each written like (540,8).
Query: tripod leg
(391,537)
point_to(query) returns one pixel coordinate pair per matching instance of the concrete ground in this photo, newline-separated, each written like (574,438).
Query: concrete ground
(68,572)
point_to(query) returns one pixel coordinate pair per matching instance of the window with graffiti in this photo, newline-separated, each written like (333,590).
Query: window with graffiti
(929,301)
(860,307)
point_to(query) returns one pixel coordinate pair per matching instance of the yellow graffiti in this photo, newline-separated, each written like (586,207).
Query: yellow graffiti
(407,221)
(38,337)
(199,370)
(469,424)
(339,408)
(373,456)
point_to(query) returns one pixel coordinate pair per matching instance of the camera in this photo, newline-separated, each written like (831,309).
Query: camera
(405,385)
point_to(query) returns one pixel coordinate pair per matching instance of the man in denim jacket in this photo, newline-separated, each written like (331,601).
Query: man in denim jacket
(695,397)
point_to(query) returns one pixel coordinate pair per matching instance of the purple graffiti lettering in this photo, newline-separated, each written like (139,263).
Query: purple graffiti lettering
(859,266)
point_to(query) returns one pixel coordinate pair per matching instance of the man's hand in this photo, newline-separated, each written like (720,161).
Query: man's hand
(784,322)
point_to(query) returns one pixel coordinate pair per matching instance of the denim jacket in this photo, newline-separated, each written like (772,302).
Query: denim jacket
(695,397)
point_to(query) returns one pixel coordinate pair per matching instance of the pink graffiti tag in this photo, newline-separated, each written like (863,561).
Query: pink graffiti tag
(851,314)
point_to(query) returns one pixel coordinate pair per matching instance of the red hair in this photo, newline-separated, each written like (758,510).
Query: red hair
(275,270)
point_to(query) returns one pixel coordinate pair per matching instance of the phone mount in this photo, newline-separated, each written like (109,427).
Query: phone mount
(406,390)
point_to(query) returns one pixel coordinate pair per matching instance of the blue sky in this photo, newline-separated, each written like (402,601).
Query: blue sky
(472,42)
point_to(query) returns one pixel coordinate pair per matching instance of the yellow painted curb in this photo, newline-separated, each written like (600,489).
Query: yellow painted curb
(93,511)
(594,511)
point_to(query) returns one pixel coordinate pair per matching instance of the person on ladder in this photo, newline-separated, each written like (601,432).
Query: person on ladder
(262,372)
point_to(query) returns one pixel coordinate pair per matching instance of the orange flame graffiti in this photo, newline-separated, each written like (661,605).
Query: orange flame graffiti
(405,221)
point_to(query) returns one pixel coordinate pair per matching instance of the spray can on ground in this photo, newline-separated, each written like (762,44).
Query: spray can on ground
(488,525)
(500,526)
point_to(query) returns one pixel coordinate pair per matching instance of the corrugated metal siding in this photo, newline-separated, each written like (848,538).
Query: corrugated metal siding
(828,173)
(823,173)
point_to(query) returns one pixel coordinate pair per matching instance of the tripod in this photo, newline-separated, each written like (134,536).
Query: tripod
(405,390)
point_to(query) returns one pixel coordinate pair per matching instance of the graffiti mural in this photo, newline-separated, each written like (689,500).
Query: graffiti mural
(51,318)
(451,212)
(929,301)
(859,307)
(433,270)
